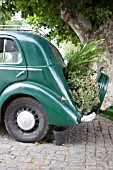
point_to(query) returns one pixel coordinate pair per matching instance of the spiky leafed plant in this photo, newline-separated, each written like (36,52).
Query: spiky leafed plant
(85,91)
(84,54)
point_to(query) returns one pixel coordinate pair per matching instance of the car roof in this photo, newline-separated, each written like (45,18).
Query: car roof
(33,46)
(22,36)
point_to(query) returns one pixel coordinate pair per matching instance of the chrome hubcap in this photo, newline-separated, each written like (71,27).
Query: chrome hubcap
(25,120)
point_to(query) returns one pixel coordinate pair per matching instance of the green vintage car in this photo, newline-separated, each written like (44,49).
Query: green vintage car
(33,92)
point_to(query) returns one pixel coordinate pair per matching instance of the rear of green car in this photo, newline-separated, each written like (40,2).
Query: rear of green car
(37,94)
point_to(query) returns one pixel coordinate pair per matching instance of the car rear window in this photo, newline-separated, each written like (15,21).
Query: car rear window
(57,55)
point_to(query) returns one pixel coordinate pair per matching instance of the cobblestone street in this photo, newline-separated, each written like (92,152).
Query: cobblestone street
(90,147)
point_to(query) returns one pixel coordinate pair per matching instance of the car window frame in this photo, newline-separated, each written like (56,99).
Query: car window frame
(23,58)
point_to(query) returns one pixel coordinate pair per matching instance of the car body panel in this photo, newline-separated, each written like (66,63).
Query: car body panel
(43,78)
(9,71)
(102,80)
(58,113)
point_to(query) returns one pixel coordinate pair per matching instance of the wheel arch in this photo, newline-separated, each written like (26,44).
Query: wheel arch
(9,100)
(57,112)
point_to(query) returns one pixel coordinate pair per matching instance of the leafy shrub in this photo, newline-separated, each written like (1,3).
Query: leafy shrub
(85,92)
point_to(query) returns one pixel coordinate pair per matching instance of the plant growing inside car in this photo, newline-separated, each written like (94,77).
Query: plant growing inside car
(80,58)
(85,91)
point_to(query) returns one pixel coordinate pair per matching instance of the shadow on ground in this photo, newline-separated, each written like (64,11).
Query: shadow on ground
(86,132)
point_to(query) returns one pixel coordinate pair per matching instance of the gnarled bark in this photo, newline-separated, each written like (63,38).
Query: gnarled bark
(83,29)
(79,24)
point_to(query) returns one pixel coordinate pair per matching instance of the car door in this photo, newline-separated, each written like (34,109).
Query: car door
(12,62)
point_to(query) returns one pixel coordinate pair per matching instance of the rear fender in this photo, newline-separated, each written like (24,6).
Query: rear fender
(102,81)
(57,112)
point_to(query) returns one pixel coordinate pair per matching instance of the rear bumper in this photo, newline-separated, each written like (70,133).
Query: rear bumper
(88,118)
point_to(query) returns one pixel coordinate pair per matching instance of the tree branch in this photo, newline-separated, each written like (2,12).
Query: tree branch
(86,23)
(79,24)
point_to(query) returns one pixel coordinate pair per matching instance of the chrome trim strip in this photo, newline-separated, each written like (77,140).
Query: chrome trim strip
(20,74)
(34,69)
(20,68)
(11,68)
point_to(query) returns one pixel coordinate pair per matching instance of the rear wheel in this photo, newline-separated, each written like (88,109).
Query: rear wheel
(25,120)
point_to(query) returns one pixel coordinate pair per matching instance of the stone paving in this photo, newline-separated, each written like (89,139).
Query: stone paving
(90,147)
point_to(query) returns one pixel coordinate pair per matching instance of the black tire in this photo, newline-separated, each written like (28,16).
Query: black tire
(39,129)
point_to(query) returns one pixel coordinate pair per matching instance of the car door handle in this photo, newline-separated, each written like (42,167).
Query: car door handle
(20,74)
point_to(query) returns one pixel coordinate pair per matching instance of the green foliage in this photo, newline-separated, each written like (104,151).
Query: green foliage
(41,13)
(97,11)
(6,13)
(85,92)
(108,113)
(48,14)
(14,22)
(79,59)
(102,14)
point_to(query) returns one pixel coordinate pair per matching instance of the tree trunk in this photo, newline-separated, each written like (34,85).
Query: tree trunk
(106,32)
(79,24)
(83,29)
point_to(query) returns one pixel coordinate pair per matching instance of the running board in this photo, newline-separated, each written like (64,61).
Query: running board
(88,118)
